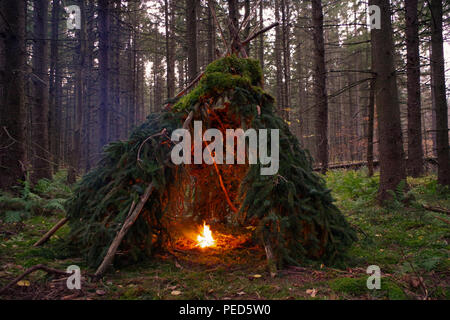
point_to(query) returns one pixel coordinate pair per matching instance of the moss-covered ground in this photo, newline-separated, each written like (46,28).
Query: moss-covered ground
(408,243)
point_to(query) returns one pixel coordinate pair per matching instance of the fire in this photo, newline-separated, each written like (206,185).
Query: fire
(205,238)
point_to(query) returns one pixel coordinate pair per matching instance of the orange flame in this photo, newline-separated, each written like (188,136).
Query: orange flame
(205,238)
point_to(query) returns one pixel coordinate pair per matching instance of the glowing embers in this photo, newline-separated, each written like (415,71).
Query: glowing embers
(210,240)
(205,238)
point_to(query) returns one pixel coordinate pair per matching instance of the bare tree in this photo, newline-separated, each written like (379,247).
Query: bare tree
(12,94)
(438,87)
(41,153)
(191,35)
(103,29)
(320,91)
(392,168)
(415,152)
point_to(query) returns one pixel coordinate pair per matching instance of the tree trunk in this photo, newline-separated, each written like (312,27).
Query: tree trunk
(191,35)
(103,29)
(211,56)
(55,83)
(41,154)
(170,47)
(247,28)
(285,14)
(261,37)
(12,98)
(321,101)
(415,152)
(75,159)
(438,87)
(370,128)
(278,63)
(392,168)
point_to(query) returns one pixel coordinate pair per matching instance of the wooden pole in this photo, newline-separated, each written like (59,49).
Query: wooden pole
(55,228)
(129,221)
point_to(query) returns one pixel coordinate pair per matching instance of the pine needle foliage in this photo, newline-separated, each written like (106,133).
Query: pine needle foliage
(292,210)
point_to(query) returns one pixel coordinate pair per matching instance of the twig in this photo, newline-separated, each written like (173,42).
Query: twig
(163,132)
(436,209)
(55,228)
(422,284)
(253,36)
(31,270)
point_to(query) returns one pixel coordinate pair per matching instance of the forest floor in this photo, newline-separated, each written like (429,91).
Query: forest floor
(407,242)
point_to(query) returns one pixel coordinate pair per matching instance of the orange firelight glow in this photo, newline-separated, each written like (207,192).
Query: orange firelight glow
(205,238)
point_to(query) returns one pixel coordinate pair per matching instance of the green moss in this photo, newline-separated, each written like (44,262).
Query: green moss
(248,68)
(352,286)
(358,287)
(221,75)
(393,291)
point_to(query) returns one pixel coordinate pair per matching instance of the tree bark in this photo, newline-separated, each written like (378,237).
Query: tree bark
(12,99)
(392,167)
(261,37)
(41,154)
(320,92)
(191,35)
(415,151)
(170,46)
(278,63)
(370,128)
(55,84)
(438,87)
(103,29)
(211,55)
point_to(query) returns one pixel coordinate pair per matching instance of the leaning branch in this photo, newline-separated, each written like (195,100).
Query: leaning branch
(47,236)
(253,36)
(129,221)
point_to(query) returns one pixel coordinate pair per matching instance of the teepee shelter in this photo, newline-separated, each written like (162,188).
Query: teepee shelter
(138,201)
(136,197)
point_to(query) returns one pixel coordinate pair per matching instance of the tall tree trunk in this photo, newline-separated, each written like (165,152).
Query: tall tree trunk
(438,87)
(370,128)
(285,14)
(211,33)
(321,101)
(392,167)
(278,63)
(247,28)
(12,99)
(75,159)
(261,37)
(233,11)
(103,29)
(191,34)
(54,127)
(41,153)
(170,47)
(415,152)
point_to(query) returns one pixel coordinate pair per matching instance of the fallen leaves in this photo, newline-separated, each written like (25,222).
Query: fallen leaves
(100,292)
(175,293)
(23,283)
(312,292)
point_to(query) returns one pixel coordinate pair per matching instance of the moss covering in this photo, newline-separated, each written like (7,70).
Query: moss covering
(358,287)
(292,210)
